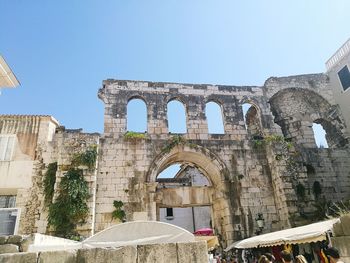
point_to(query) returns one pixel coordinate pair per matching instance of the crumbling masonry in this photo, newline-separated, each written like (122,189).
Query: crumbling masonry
(251,169)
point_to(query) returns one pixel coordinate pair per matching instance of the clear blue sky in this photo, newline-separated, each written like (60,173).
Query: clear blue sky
(62,50)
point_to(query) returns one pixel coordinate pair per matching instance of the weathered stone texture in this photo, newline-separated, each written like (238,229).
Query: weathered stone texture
(66,256)
(61,149)
(192,252)
(244,180)
(3,239)
(8,248)
(102,255)
(341,238)
(27,257)
(157,253)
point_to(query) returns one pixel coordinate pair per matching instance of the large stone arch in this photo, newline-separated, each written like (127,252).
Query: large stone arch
(214,169)
(295,109)
(216,195)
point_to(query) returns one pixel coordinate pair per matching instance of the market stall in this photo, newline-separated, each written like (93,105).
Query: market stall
(306,240)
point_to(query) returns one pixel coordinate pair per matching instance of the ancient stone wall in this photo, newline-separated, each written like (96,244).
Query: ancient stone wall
(65,144)
(245,181)
(266,162)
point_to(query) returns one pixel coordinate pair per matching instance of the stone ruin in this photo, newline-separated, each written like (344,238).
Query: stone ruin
(266,162)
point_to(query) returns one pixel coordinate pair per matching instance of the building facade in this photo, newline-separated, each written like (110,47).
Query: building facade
(265,165)
(21,137)
(338,70)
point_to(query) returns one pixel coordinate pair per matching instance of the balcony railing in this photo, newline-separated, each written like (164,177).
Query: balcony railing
(339,55)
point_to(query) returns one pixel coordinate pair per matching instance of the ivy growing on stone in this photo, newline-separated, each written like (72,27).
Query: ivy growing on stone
(174,141)
(86,158)
(49,182)
(70,207)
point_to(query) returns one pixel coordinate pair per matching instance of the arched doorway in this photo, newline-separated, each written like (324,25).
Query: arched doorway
(182,195)
(174,179)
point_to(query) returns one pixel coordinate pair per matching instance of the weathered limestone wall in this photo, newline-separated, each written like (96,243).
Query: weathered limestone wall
(341,239)
(171,252)
(329,167)
(14,243)
(139,156)
(61,149)
(244,181)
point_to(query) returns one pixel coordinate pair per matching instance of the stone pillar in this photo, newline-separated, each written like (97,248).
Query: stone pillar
(157,115)
(197,126)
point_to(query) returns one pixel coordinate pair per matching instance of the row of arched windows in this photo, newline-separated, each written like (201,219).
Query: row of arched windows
(137,119)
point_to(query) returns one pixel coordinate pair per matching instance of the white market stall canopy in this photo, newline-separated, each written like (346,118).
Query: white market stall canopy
(139,233)
(297,235)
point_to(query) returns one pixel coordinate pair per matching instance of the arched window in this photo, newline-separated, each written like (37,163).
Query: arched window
(251,119)
(319,135)
(176,117)
(214,118)
(136,116)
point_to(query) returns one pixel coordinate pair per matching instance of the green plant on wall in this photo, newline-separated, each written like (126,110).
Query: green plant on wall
(86,158)
(173,141)
(118,212)
(49,182)
(134,136)
(70,207)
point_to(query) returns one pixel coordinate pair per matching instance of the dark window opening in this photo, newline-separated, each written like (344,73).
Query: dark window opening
(251,120)
(169,212)
(310,170)
(344,76)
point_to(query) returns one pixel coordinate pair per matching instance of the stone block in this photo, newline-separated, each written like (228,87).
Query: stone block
(26,242)
(63,256)
(3,240)
(342,244)
(102,255)
(157,253)
(338,229)
(27,257)
(192,252)
(345,222)
(8,248)
(15,239)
